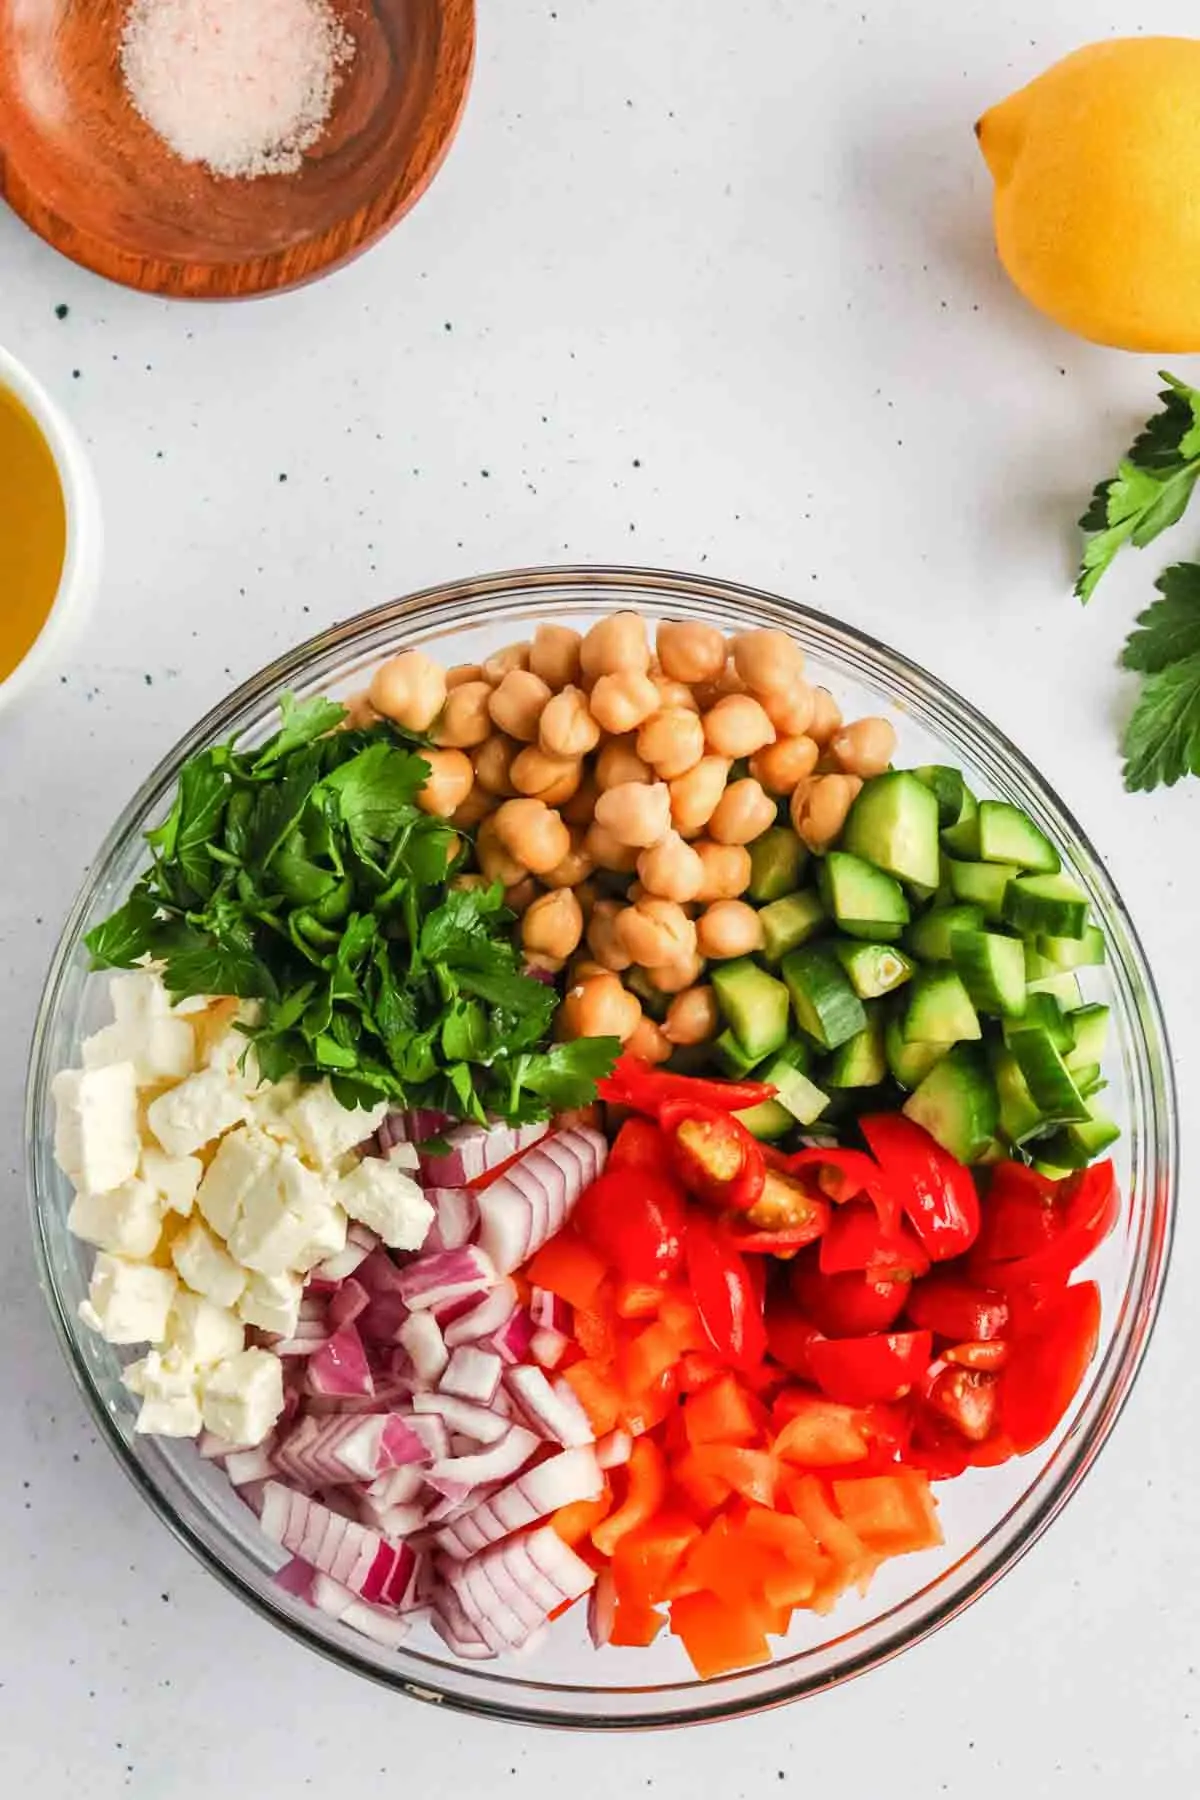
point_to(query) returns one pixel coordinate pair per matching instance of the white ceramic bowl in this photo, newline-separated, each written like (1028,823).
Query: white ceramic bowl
(82,561)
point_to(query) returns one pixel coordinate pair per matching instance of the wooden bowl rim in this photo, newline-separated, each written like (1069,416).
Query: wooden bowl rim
(257,276)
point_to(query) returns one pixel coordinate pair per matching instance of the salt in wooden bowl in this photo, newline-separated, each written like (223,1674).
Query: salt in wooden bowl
(80,165)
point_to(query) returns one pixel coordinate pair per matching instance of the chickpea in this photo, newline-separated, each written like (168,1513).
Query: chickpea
(729,928)
(465,719)
(616,643)
(619,762)
(694,796)
(726,870)
(602,938)
(673,978)
(493,761)
(360,714)
(671,869)
(520,898)
(767,661)
(586,893)
(461,673)
(655,932)
(448,783)
(690,652)
(579,808)
(819,808)
(692,1017)
(635,892)
(532,834)
(743,813)
(648,1041)
(676,694)
(497,666)
(790,709)
(494,859)
(554,655)
(672,742)
(599,1006)
(635,813)
(737,726)
(826,721)
(516,704)
(550,778)
(474,809)
(607,852)
(575,866)
(566,727)
(553,925)
(582,969)
(410,689)
(866,747)
(622,701)
(785,762)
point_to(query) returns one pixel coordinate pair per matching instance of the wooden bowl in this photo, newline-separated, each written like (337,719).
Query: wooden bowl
(82,168)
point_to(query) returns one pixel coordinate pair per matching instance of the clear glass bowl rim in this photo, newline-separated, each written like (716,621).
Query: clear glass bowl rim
(525,592)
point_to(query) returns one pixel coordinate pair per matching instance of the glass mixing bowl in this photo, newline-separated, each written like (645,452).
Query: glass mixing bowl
(990,1517)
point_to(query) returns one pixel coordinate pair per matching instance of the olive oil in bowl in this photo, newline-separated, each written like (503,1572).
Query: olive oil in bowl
(33,532)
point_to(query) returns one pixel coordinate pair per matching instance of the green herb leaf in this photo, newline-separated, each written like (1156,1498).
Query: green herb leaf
(197,964)
(303,721)
(1162,738)
(126,936)
(566,1075)
(376,792)
(465,1034)
(1151,488)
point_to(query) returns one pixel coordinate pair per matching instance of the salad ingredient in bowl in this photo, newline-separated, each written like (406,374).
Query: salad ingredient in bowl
(585,1123)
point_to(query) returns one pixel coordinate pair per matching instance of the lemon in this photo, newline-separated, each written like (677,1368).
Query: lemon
(1097,207)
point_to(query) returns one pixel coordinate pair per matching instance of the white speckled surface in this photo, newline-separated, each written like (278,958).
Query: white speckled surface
(702,286)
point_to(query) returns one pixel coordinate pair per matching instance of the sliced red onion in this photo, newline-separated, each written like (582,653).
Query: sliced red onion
(396,1487)
(504,1593)
(513,1222)
(549,1312)
(486,1316)
(360,1559)
(614,1450)
(455,1218)
(511,1343)
(344,1262)
(340,1366)
(447,1275)
(548,1348)
(560,1481)
(310,1335)
(297,1578)
(258,1464)
(347,1303)
(432,1430)
(379,1274)
(393,1521)
(455,1629)
(602,1609)
(473,1374)
(477,1422)
(379,1623)
(553,1411)
(473,1150)
(421,1336)
(501,1459)
(215,1449)
(412,1127)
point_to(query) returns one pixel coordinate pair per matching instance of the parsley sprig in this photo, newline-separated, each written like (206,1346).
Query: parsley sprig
(1151,488)
(1162,738)
(304,875)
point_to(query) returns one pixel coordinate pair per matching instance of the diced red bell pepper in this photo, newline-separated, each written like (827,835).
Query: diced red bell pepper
(849,1304)
(751,1473)
(953,1308)
(647,1558)
(596,1389)
(635,1218)
(1047,1365)
(790,1336)
(713,1155)
(862,1370)
(891,1514)
(1086,1207)
(730,1310)
(637,1299)
(967,1398)
(639,1144)
(935,1190)
(638,1084)
(722,1413)
(1018,1214)
(646,1487)
(574,1523)
(718,1638)
(821,1433)
(569,1268)
(855,1240)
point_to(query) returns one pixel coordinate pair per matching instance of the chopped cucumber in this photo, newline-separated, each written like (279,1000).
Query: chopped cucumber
(928,938)
(1063,987)
(1074,1146)
(894,824)
(789,922)
(1050,1081)
(777,861)
(803,1100)
(1071,953)
(1046,905)
(947,787)
(939,1009)
(909,1063)
(1007,835)
(962,837)
(731,1059)
(993,970)
(874,969)
(769,1119)
(1020,1115)
(1043,1013)
(823,1001)
(865,902)
(983,885)
(957,1105)
(1090,1026)
(860,1062)
(754,1005)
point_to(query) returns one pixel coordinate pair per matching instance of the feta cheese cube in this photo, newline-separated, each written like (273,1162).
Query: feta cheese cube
(243,1396)
(160,1049)
(382,1196)
(272,1302)
(244,1158)
(269,1104)
(325,1129)
(128,1302)
(137,995)
(96,1125)
(289,1219)
(200,1333)
(173,1178)
(232,1052)
(206,1265)
(170,1394)
(189,1116)
(127,1220)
